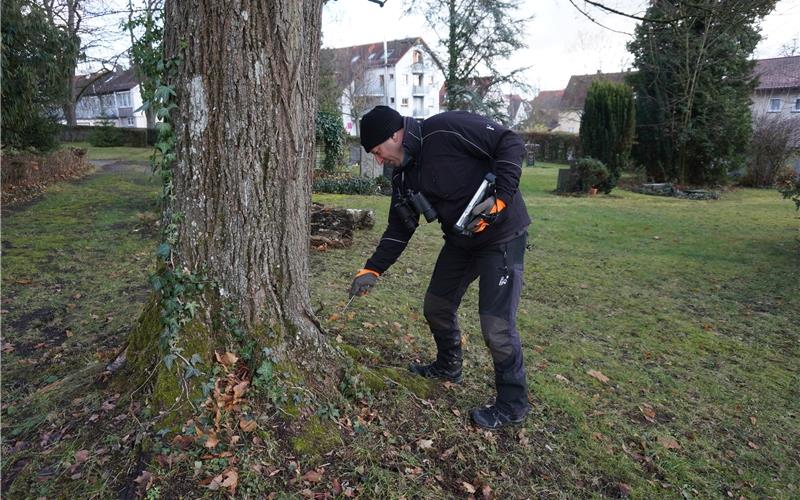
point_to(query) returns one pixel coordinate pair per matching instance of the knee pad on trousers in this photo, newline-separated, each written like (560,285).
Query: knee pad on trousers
(498,338)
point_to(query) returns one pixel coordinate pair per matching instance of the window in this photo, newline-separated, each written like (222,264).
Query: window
(124,99)
(382,82)
(405,79)
(404,102)
(391,76)
(391,100)
(796,108)
(775,105)
(430,80)
(417,57)
(131,121)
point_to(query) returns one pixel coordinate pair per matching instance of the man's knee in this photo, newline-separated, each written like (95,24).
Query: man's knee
(498,337)
(440,313)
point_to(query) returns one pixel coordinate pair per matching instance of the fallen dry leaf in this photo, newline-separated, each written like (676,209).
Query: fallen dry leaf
(312,476)
(143,481)
(334,317)
(247,425)
(468,487)
(240,388)
(598,375)
(753,445)
(425,444)
(648,412)
(624,489)
(486,492)
(81,456)
(231,480)
(211,441)
(562,378)
(753,420)
(227,359)
(669,442)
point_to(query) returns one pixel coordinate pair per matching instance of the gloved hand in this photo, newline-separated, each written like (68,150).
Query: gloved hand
(364,280)
(485,213)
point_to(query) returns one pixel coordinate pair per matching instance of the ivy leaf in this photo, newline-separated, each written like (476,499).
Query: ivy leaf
(169,359)
(163,250)
(195,359)
(192,308)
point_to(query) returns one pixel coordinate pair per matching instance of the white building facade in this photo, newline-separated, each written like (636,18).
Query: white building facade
(405,76)
(114,97)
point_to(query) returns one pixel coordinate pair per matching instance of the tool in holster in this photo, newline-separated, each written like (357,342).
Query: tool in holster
(479,196)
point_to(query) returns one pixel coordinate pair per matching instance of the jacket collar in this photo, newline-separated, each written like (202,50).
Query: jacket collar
(412,140)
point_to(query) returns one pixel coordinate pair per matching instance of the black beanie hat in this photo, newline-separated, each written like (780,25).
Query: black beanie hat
(378,125)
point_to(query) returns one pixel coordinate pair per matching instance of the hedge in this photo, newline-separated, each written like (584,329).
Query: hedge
(134,137)
(554,147)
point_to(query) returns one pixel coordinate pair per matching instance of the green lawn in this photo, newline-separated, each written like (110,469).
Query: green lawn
(690,308)
(113,152)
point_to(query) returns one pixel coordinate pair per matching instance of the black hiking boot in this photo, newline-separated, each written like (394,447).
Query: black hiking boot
(489,417)
(435,370)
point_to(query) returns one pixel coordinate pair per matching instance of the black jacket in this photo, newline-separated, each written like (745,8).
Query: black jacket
(450,154)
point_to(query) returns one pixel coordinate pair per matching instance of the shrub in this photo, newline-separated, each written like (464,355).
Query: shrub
(557,147)
(383,184)
(789,186)
(107,135)
(607,128)
(771,147)
(345,185)
(592,173)
(329,130)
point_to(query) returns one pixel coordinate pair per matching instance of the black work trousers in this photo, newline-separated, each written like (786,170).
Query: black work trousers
(500,268)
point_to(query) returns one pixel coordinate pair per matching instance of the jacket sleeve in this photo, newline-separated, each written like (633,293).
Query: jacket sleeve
(395,238)
(505,151)
(507,159)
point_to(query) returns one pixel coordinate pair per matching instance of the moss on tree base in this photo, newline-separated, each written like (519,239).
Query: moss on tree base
(318,436)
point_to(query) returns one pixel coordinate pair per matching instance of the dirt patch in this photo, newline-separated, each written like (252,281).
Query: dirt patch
(123,166)
(37,317)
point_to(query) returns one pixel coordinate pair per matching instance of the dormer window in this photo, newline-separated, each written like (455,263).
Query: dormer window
(416,57)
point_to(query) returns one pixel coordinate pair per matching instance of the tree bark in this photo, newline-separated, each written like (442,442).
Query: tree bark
(244,125)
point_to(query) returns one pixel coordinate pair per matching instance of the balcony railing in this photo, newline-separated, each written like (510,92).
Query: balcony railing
(419,113)
(418,67)
(418,89)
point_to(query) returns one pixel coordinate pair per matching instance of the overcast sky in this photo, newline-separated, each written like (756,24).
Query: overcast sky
(562,42)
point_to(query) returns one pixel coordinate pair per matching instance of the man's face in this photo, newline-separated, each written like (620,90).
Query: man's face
(390,151)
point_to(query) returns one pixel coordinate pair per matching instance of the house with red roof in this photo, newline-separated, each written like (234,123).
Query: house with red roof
(778,90)
(403,74)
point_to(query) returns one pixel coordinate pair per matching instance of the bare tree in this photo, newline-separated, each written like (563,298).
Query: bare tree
(475,35)
(90,25)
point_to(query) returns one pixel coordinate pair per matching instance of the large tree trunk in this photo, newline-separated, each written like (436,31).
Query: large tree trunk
(245,83)
(245,150)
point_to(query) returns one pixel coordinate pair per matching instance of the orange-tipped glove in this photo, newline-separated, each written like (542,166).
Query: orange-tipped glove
(364,280)
(485,213)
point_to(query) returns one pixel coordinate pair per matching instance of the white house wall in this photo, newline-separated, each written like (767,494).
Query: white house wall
(400,84)
(95,110)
